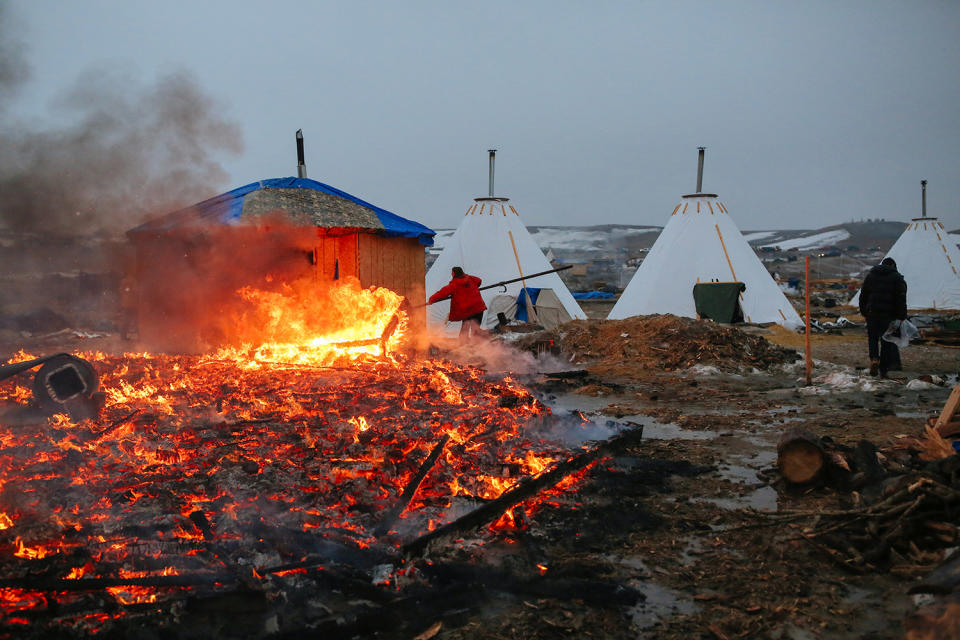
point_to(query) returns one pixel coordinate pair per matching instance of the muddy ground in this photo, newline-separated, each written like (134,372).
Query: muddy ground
(674,517)
(671,520)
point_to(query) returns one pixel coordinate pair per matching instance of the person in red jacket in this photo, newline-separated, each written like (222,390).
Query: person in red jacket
(466,303)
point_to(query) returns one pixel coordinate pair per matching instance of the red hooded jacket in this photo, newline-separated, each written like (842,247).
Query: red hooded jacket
(465,298)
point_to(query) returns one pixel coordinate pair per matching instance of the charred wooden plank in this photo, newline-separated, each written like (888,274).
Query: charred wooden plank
(93,584)
(411,489)
(525,489)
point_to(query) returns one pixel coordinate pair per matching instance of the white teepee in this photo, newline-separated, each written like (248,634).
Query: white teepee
(701,243)
(930,263)
(493,244)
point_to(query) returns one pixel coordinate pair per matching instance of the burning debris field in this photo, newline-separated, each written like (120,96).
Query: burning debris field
(263,490)
(320,475)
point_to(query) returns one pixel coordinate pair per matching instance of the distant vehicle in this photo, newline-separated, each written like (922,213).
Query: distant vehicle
(833,253)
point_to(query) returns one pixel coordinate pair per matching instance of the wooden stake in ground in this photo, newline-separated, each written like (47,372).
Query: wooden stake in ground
(806,296)
(800,456)
(944,425)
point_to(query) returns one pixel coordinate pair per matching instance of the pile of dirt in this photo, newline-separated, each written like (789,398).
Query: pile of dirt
(624,348)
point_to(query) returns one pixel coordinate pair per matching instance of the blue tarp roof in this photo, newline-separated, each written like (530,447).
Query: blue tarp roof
(228,208)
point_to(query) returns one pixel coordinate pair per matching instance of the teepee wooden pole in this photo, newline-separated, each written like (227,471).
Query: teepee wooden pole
(531,314)
(806,314)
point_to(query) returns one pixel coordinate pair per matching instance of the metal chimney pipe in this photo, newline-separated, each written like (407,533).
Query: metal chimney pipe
(700,169)
(493,152)
(923,197)
(301,164)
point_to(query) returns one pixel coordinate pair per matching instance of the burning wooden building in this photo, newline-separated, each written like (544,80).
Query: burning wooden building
(191,263)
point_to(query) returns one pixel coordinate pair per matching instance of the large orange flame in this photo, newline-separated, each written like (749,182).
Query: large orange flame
(302,323)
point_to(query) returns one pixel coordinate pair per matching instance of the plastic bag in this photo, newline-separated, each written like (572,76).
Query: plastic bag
(900,333)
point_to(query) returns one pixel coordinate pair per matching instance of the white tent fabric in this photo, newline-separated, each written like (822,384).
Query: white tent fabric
(493,244)
(701,243)
(929,261)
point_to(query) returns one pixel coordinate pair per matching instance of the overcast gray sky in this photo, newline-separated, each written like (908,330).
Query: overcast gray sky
(813,113)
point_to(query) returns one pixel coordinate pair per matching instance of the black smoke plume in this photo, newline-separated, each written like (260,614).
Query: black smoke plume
(131,151)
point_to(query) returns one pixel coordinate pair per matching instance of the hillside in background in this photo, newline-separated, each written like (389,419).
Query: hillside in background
(607,255)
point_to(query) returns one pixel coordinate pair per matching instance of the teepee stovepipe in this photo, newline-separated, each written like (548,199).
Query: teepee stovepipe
(929,261)
(701,243)
(492,243)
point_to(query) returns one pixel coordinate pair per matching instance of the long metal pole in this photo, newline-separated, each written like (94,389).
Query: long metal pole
(806,296)
(503,282)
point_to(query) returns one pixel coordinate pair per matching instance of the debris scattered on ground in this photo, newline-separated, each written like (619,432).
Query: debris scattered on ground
(635,346)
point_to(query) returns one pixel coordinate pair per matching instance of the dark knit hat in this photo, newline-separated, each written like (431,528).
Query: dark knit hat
(890,262)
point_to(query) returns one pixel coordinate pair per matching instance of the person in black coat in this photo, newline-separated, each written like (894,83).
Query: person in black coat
(883,298)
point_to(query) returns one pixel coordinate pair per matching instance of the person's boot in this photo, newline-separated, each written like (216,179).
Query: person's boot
(874,367)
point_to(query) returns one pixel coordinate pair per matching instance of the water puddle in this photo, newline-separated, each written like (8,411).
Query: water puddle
(743,470)
(665,431)
(661,603)
(764,498)
(912,414)
(577,402)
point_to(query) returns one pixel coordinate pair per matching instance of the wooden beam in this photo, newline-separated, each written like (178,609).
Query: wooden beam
(950,408)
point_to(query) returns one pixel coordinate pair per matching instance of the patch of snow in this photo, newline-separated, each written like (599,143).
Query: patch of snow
(576,238)
(786,288)
(824,239)
(560,237)
(703,370)
(840,381)
(917,385)
(758,235)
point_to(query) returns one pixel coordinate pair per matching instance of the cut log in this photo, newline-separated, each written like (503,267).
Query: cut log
(800,456)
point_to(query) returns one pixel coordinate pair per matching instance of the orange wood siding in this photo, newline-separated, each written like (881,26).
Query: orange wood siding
(397,264)
(191,276)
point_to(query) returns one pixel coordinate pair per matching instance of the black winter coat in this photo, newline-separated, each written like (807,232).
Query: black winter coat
(884,293)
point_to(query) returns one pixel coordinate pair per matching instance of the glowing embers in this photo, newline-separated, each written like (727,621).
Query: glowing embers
(224,470)
(303,323)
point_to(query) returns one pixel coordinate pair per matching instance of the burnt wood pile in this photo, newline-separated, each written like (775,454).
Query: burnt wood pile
(241,499)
